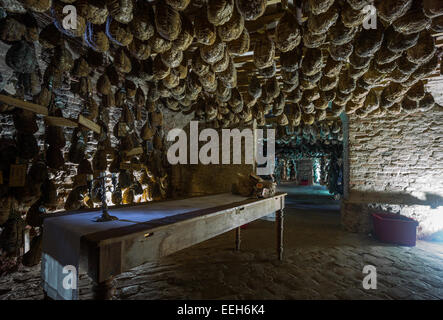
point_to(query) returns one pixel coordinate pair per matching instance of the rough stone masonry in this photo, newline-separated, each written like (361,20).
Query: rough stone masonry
(396,164)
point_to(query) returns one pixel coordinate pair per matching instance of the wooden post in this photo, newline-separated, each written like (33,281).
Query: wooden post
(104,290)
(279,221)
(237,238)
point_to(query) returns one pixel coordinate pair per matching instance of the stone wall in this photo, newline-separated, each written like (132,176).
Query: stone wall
(396,164)
(188,180)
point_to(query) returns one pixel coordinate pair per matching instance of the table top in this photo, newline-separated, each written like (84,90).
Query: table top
(81,223)
(109,248)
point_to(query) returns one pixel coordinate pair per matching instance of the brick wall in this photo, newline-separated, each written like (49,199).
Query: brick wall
(395,163)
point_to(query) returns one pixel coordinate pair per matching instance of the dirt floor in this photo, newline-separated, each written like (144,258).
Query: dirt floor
(321,261)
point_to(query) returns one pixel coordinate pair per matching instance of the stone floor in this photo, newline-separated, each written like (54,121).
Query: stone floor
(321,262)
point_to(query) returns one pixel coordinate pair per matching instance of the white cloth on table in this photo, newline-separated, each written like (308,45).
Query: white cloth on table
(61,236)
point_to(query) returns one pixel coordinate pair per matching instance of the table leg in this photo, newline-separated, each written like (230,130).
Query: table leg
(46,297)
(237,238)
(279,221)
(104,290)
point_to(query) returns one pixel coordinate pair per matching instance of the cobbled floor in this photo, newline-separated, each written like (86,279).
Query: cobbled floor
(321,261)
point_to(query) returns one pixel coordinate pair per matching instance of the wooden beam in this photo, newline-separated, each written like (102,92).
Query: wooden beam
(24,105)
(60,122)
(133,152)
(89,124)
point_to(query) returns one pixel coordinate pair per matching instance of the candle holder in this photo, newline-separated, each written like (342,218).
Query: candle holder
(102,190)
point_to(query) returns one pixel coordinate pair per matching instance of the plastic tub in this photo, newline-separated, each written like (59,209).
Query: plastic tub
(394,228)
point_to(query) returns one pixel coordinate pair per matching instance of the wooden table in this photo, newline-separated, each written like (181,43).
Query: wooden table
(118,248)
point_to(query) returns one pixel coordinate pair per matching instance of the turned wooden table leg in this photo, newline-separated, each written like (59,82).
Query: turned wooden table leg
(104,290)
(279,223)
(237,239)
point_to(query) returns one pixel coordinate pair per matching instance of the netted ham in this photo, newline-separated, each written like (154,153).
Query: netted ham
(172,58)
(385,55)
(209,82)
(171,81)
(410,106)
(186,36)
(393,9)
(254,88)
(433,8)
(199,66)
(290,77)
(119,33)
(251,9)
(233,28)
(328,83)
(272,88)
(179,5)
(160,69)
(159,44)
(339,34)
(312,61)
(346,83)
(122,62)
(388,67)
(220,11)
(37,5)
(320,6)
(121,10)
(268,72)
(13,30)
(437,24)
(426,103)
(416,92)
(350,17)
(412,22)
(81,68)
(311,40)
(213,53)
(236,101)
(264,52)
(321,23)
(241,45)
(341,52)
(358,4)
(94,11)
(96,39)
(167,21)
(143,26)
(223,93)
(205,32)
(287,32)
(223,64)
(368,42)
(423,50)
(21,58)
(405,66)
(140,49)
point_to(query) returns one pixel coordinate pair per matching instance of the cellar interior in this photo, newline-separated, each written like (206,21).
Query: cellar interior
(344,97)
